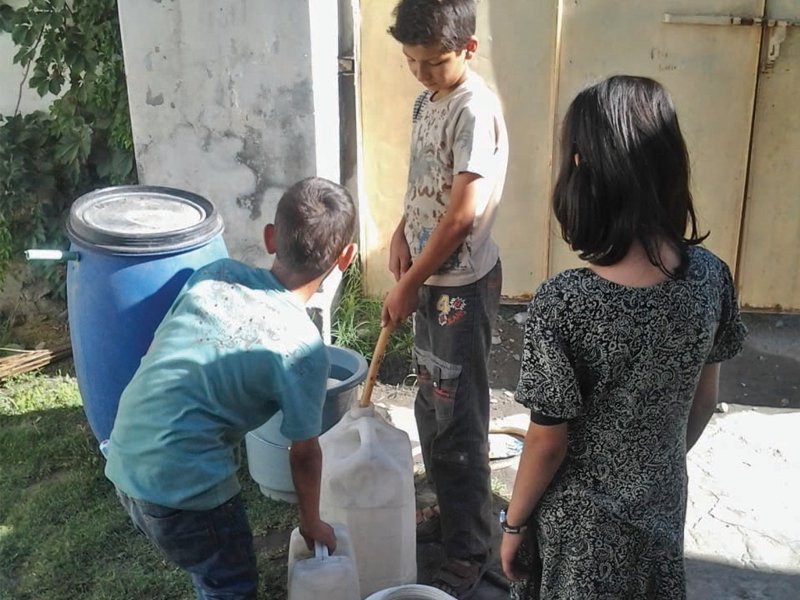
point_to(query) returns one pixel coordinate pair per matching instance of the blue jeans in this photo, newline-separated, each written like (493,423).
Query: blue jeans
(214,546)
(452,340)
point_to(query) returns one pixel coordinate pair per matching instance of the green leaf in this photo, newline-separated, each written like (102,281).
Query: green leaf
(67,150)
(121,164)
(54,86)
(56,19)
(43,88)
(36,80)
(40,68)
(6,17)
(39,20)
(85,142)
(30,35)
(19,33)
(24,56)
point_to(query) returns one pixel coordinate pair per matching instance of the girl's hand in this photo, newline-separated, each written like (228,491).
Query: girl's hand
(508,552)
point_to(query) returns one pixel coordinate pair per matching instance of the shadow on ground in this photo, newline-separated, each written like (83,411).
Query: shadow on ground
(710,580)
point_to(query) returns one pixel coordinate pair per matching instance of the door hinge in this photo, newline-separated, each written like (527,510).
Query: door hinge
(347,65)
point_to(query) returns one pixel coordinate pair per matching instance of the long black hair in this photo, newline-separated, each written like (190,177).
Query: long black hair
(631,176)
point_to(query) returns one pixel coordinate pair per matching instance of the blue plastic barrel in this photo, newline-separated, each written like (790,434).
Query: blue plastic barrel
(267,448)
(136,247)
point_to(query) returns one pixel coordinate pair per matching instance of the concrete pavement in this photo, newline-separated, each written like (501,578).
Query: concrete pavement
(743,522)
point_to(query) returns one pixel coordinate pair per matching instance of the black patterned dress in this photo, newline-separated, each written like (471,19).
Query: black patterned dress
(620,364)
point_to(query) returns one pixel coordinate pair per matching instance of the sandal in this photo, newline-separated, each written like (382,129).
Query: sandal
(459,578)
(429,524)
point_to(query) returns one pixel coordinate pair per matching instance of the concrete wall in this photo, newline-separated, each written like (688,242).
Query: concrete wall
(234,100)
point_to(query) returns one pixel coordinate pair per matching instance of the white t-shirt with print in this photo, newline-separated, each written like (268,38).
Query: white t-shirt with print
(463,132)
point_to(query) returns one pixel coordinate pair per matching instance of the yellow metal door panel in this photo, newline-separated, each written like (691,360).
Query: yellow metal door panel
(387,93)
(521,36)
(516,57)
(769,272)
(710,72)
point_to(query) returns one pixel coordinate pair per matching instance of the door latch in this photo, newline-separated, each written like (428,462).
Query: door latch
(777,30)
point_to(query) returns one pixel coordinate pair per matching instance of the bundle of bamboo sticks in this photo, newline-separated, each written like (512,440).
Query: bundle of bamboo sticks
(23,361)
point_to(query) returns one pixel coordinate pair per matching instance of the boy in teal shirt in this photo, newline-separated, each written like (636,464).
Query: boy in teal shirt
(236,347)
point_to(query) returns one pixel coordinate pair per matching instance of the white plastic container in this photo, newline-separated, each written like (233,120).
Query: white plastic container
(319,575)
(368,484)
(267,448)
(411,592)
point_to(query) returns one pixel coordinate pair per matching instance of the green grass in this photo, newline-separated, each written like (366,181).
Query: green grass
(357,322)
(63,533)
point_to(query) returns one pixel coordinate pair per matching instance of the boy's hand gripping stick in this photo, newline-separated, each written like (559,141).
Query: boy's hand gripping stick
(375,363)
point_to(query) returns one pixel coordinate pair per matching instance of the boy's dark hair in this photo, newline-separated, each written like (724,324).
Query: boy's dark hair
(632,177)
(314,222)
(449,23)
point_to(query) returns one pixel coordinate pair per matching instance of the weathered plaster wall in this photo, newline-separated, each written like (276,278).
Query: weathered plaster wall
(234,101)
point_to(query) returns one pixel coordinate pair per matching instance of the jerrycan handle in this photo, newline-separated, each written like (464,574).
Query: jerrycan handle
(320,550)
(372,375)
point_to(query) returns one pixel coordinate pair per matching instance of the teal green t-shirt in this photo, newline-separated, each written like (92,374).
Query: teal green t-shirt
(235,348)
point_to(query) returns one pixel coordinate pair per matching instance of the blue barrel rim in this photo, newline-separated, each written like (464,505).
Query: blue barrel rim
(358,374)
(82,234)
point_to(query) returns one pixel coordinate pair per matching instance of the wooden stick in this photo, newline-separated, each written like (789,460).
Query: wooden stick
(372,375)
(30,360)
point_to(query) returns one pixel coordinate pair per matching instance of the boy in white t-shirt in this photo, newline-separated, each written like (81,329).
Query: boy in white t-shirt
(447,269)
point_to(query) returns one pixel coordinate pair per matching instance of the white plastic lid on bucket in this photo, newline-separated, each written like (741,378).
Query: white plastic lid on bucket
(411,592)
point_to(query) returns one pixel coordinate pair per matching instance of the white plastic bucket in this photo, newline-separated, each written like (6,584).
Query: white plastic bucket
(268,449)
(411,592)
(368,484)
(319,575)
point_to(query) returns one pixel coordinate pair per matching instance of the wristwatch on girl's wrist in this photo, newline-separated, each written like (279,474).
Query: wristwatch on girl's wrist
(510,528)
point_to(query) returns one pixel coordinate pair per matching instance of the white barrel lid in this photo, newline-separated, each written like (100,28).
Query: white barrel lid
(139,219)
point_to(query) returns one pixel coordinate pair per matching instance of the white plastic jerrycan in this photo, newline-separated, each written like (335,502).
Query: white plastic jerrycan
(320,575)
(368,484)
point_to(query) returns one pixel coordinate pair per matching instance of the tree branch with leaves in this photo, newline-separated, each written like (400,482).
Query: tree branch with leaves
(74,52)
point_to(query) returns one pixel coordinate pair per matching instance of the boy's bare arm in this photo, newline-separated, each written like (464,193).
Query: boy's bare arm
(705,400)
(305,460)
(449,234)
